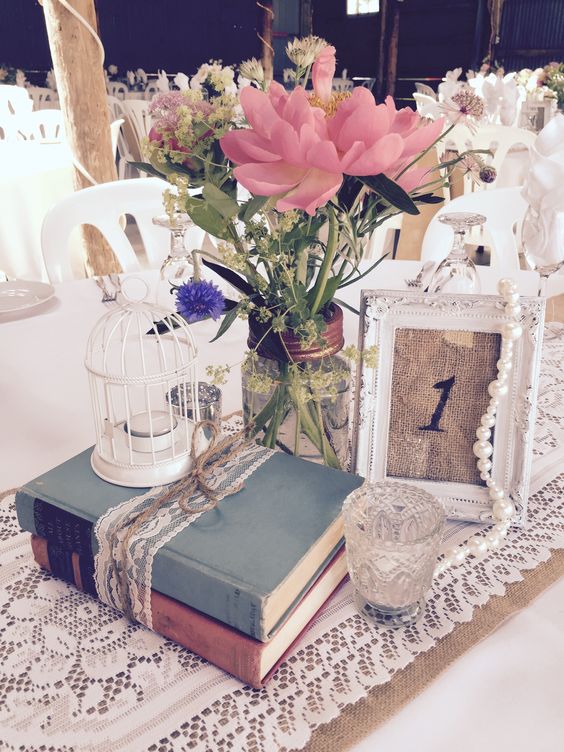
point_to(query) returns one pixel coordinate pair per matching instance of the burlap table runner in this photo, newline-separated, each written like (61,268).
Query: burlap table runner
(357,721)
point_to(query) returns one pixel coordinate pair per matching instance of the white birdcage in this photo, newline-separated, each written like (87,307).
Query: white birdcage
(142,437)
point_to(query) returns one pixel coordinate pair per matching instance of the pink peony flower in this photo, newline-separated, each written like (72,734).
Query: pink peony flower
(300,151)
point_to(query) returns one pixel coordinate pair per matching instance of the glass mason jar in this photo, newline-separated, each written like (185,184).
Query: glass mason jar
(300,403)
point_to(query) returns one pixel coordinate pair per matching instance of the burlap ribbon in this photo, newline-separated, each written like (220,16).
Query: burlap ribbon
(187,490)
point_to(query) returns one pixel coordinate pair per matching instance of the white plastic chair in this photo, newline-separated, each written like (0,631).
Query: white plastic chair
(137,110)
(504,209)
(45,126)
(117,89)
(103,207)
(43,98)
(124,153)
(115,131)
(150,90)
(14,100)
(498,138)
(8,127)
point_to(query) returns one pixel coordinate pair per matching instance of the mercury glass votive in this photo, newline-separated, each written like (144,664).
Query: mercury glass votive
(392,532)
(209,400)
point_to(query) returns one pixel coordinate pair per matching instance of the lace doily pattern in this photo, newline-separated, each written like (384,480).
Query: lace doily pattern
(77,677)
(169,520)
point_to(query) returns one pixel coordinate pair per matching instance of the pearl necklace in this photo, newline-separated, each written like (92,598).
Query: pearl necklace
(502,507)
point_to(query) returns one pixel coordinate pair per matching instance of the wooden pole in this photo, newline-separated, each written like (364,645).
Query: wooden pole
(382,47)
(81,85)
(393,51)
(266,38)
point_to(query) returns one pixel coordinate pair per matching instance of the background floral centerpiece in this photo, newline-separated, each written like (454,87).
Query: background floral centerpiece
(291,184)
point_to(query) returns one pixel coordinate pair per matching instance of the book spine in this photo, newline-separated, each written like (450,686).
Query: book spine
(217,597)
(229,650)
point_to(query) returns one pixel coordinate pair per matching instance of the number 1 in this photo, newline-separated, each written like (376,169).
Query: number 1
(445,387)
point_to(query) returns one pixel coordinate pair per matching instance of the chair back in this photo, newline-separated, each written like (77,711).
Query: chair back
(137,112)
(426,106)
(117,89)
(103,206)
(503,208)
(115,131)
(150,90)
(342,84)
(43,97)
(14,100)
(497,138)
(45,126)
(8,127)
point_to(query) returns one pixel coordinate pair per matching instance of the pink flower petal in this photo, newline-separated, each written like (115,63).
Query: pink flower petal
(278,96)
(322,73)
(297,110)
(268,179)
(247,146)
(313,191)
(324,156)
(422,137)
(367,123)
(379,157)
(258,110)
(286,141)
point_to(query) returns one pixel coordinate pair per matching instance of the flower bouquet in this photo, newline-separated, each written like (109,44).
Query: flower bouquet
(291,183)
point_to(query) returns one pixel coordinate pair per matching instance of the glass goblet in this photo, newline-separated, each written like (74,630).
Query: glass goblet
(178,266)
(457,272)
(542,244)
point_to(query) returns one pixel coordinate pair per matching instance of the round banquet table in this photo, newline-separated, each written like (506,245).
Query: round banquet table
(33,178)
(504,693)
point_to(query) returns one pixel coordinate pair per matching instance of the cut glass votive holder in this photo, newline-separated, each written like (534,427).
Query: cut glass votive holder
(209,400)
(393,532)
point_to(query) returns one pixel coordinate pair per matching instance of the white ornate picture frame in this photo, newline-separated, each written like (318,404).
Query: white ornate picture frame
(383,315)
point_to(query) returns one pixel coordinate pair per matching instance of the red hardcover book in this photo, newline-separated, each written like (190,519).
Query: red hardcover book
(250,660)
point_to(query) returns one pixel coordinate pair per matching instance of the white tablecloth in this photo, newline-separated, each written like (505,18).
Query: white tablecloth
(33,178)
(506,693)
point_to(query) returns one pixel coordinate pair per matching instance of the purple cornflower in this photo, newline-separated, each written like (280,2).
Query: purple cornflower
(197,300)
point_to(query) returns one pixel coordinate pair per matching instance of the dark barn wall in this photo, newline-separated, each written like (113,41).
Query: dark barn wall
(177,35)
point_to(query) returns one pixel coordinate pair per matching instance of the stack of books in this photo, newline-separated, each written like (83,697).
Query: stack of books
(240,584)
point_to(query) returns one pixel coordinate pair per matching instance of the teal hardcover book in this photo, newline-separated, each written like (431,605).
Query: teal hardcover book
(246,563)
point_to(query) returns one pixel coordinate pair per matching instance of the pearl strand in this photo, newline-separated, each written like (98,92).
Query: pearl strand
(502,508)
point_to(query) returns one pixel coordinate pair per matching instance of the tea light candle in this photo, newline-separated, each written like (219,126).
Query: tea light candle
(150,431)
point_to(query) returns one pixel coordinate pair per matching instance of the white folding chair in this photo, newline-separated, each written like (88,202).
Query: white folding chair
(342,84)
(503,208)
(14,100)
(103,206)
(137,111)
(45,126)
(8,127)
(115,131)
(150,90)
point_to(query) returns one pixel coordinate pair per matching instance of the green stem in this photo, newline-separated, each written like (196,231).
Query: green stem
(325,270)
(419,156)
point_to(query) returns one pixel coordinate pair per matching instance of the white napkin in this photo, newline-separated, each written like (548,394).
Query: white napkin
(450,84)
(543,189)
(130,77)
(21,79)
(182,81)
(546,168)
(162,81)
(141,76)
(501,95)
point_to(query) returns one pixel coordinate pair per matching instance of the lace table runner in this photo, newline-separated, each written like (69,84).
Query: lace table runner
(76,676)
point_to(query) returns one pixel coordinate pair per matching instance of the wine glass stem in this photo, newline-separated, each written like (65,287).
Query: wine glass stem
(543,285)
(177,243)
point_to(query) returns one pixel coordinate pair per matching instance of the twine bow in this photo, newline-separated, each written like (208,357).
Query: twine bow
(197,481)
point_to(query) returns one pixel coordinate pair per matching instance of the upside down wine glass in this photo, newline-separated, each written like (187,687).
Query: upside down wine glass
(178,266)
(457,272)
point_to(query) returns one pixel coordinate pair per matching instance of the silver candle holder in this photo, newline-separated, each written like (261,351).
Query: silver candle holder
(209,402)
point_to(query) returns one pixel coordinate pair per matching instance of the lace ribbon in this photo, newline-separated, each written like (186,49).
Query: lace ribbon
(130,535)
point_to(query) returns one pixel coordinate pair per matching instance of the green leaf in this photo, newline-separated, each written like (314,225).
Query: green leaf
(230,276)
(221,202)
(330,289)
(346,305)
(428,198)
(391,191)
(228,319)
(208,218)
(148,168)
(251,207)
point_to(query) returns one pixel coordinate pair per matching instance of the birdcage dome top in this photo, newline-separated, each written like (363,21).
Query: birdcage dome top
(139,342)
